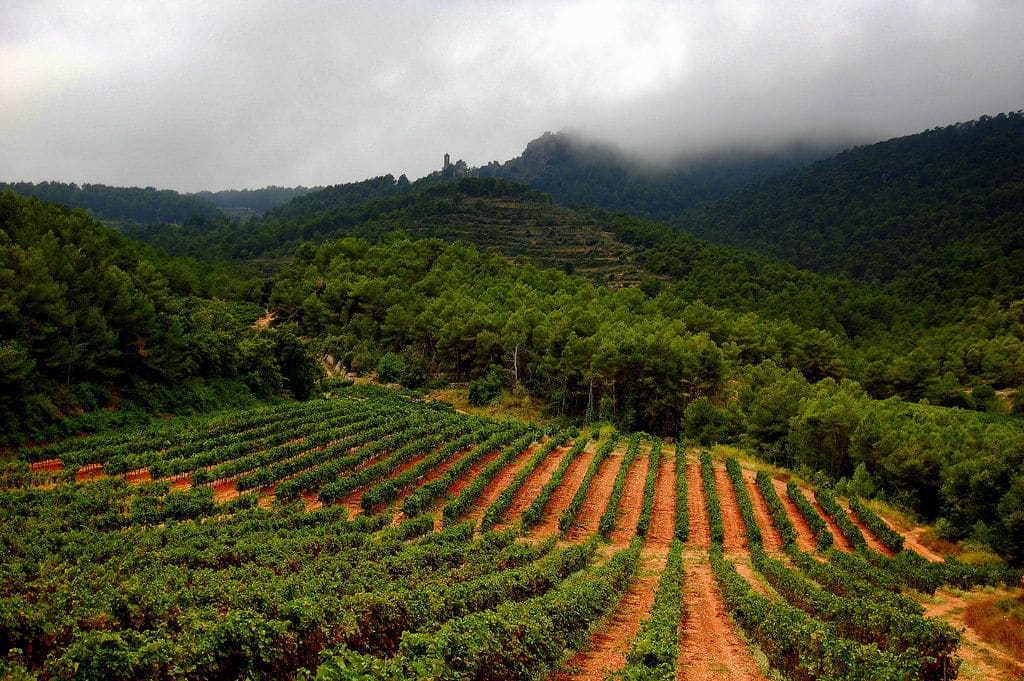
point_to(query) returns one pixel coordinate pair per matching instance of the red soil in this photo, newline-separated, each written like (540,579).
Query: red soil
(600,491)
(606,650)
(532,486)
(312,500)
(182,482)
(498,484)
(804,537)
(632,500)
(90,471)
(48,465)
(138,476)
(563,495)
(697,507)
(770,537)
(709,647)
(663,518)
(732,521)
(746,571)
(224,491)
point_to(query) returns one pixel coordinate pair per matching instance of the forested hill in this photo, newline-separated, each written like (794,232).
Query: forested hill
(523,223)
(118,204)
(586,173)
(87,316)
(929,210)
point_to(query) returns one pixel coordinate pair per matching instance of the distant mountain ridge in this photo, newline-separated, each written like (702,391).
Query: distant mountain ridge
(931,207)
(575,171)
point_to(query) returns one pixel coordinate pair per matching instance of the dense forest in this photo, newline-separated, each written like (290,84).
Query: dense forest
(928,211)
(87,317)
(118,204)
(896,366)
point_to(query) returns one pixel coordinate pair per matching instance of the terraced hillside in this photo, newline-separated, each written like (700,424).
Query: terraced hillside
(373,535)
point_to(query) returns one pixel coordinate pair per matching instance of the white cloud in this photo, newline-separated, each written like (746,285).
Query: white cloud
(210,95)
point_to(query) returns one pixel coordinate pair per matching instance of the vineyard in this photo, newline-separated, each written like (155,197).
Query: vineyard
(377,536)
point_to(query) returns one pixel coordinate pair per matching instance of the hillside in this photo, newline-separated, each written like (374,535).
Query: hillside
(578,172)
(118,204)
(88,318)
(379,533)
(931,211)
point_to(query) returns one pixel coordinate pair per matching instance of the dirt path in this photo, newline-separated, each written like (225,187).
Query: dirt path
(663,518)
(770,537)
(804,536)
(709,647)
(912,540)
(600,491)
(732,521)
(468,476)
(980,660)
(869,537)
(498,484)
(606,650)
(700,529)
(632,501)
(562,496)
(536,480)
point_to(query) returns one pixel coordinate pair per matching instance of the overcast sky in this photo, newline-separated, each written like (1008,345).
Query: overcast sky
(223,94)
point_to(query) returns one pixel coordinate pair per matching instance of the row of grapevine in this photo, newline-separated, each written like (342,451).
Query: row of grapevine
(682,528)
(607,521)
(831,507)
(460,504)
(388,490)
(889,537)
(655,649)
(732,466)
(348,439)
(866,620)
(417,442)
(188,453)
(799,646)
(851,582)
(504,501)
(533,514)
(572,510)
(425,495)
(780,519)
(707,473)
(337,462)
(295,448)
(647,509)
(515,640)
(822,535)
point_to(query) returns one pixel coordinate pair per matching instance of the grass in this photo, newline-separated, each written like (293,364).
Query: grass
(999,620)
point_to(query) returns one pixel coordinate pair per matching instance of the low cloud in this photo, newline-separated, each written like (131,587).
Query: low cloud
(214,95)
